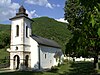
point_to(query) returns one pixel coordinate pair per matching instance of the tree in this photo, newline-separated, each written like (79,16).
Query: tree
(85,26)
(91,24)
(74,15)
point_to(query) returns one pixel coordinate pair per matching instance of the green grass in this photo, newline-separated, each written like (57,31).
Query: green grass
(3,53)
(68,68)
(4,56)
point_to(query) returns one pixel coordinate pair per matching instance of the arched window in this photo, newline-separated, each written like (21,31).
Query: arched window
(17,30)
(26,31)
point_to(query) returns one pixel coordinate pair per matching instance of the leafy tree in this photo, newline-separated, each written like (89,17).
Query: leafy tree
(86,27)
(74,13)
(91,23)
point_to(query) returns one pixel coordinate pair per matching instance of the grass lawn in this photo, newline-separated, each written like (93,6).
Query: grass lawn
(3,53)
(68,68)
(3,56)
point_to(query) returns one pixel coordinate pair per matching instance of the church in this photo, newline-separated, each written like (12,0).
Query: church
(29,51)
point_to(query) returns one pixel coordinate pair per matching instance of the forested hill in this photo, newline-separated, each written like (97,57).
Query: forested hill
(45,27)
(52,29)
(4,35)
(4,27)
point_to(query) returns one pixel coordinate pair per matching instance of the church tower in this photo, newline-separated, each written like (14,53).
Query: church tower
(20,40)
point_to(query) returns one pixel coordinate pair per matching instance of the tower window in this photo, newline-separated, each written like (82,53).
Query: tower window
(26,31)
(17,30)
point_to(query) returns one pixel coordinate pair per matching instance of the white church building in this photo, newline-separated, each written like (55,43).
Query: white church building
(29,51)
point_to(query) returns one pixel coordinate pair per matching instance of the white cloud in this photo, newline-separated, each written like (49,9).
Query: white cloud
(62,20)
(42,3)
(49,5)
(7,9)
(31,13)
(54,5)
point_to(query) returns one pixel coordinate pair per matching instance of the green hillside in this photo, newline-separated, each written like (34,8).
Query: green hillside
(45,27)
(4,35)
(51,29)
(4,27)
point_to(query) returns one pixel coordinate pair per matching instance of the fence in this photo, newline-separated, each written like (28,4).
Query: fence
(79,59)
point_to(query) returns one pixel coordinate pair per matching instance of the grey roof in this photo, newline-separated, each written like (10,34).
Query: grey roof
(45,41)
(19,16)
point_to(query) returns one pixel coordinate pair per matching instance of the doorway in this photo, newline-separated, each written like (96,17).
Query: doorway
(16,62)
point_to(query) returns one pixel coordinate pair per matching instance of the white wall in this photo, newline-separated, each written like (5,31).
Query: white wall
(14,39)
(26,40)
(49,61)
(34,54)
(27,22)
(21,41)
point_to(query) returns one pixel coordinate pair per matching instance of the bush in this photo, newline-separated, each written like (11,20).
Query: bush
(54,69)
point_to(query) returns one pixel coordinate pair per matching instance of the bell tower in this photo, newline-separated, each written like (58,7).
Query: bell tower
(20,40)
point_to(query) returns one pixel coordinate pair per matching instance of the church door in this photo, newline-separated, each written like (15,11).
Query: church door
(26,61)
(16,62)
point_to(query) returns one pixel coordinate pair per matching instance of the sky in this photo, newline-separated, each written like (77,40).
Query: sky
(34,8)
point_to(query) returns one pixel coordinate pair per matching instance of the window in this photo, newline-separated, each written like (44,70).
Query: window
(45,56)
(26,31)
(17,30)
